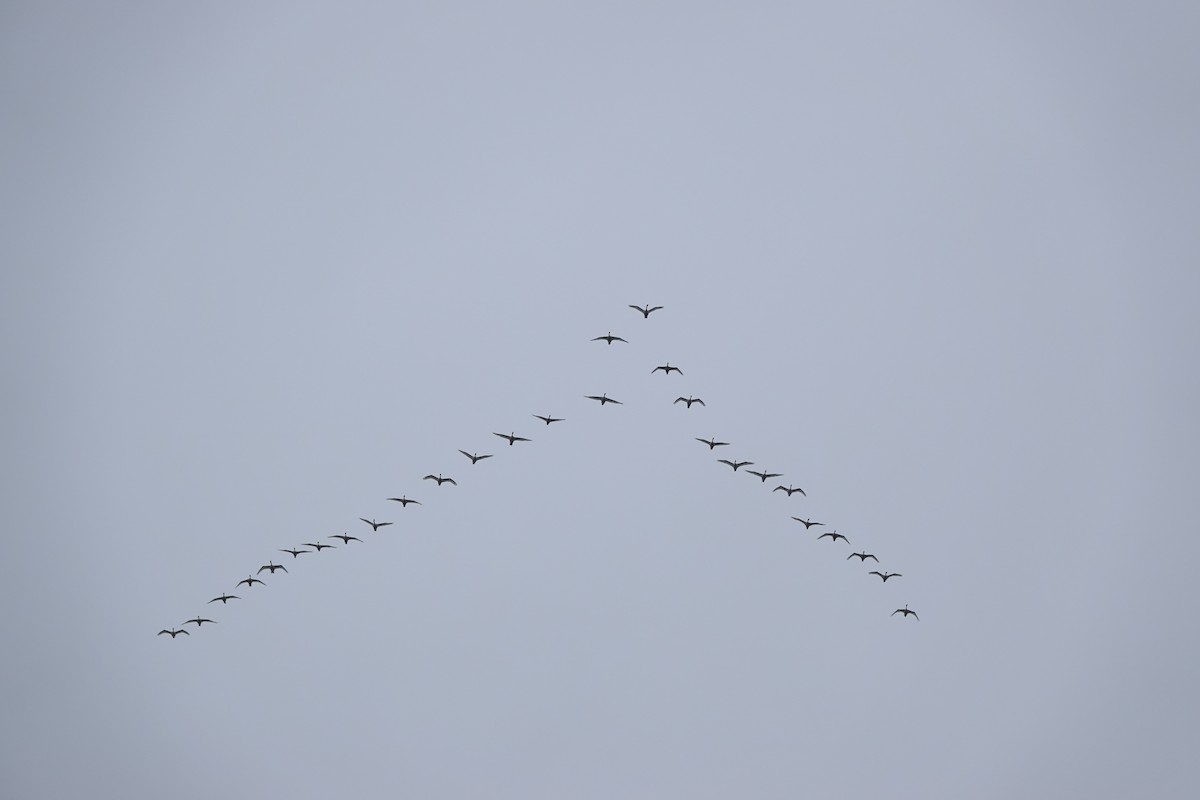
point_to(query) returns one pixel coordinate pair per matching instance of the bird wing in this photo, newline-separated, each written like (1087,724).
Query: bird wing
(279,566)
(875,572)
(384,523)
(656,369)
(364,519)
(682,400)
(873,558)
(639,308)
(164,630)
(450,480)
(429,478)
(515,438)
(656,308)
(897,611)
(260,569)
(781,488)
(915,615)
(698,400)
(725,461)
(823,535)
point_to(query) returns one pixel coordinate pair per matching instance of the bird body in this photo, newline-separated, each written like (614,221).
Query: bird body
(790,491)
(765,475)
(512,439)
(602,399)
(667,369)
(646,311)
(735,464)
(475,457)
(689,400)
(905,611)
(375,526)
(440,480)
(609,338)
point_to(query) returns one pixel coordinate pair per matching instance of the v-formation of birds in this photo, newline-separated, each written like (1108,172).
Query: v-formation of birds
(511,438)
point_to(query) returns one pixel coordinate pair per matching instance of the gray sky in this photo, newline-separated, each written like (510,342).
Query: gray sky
(265,267)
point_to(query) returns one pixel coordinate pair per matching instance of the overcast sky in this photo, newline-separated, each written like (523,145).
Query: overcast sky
(267,265)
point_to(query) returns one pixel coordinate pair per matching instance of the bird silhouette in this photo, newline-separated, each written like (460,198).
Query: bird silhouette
(475,458)
(807,523)
(905,611)
(885,575)
(440,480)
(318,546)
(609,338)
(173,633)
(271,566)
(862,557)
(604,398)
(667,369)
(765,475)
(735,464)
(512,438)
(295,553)
(375,526)
(689,400)
(835,536)
(250,581)
(403,501)
(225,598)
(647,311)
(790,491)
(199,620)
(548,419)
(710,442)
(345,538)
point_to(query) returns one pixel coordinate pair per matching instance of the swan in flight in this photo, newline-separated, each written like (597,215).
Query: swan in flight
(646,311)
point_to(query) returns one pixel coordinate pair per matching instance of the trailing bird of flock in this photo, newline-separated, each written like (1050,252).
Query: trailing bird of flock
(512,438)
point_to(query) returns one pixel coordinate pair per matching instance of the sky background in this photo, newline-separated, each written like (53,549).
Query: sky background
(266,265)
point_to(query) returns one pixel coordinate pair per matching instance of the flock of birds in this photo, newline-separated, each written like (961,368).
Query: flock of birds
(603,399)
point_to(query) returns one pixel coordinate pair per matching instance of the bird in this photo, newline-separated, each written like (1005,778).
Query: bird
(403,501)
(548,419)
(735,464)
(295,552)
(271,566)
(475,457)
(807,523)
(375,526)
(862,557)
(225,598)
(765,475)
(440,480)
(689,400)
(905,611)
(512,439)
(199,620)
(885,575)
(345,539)
(604,398)
(835,536)
(251,580)
(711,442)
(647,311)
(667,369)
(609,338)
(790,491)
(319,547)
(173,632)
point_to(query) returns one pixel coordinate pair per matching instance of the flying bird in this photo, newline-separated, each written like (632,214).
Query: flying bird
(295,552)
(835,536)
(199,620)
(403,501)
(689,400)
(647,311)
(225,598)
(790,491)
(604,398)
(173,632)
(905,611)
(548,419)
(271,566)
(512,438)
(475,458)
(250,581)
(345,539)
(862,557)
(609,338)
(885,575)
(319,547)
(807,523)
(765,475)
(440,480)
(710,442)
(735,464)
(375,526)
(667,369)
